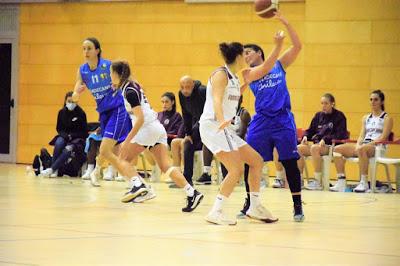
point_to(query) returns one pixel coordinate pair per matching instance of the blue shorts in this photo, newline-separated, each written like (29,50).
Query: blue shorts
(264,134)
(115,124)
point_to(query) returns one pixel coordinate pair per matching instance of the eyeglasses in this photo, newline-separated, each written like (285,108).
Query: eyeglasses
(374,99)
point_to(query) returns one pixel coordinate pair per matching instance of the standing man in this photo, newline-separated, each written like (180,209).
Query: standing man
(192,96)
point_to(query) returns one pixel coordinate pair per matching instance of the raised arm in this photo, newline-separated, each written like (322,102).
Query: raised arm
(290,55)
(255,73)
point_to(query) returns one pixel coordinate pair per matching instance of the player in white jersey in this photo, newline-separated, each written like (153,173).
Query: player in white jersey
(222,97)
(375,127)
(147,133)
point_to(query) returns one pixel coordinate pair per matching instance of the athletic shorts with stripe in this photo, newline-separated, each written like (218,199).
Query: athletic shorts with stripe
(115,124)
(219,140)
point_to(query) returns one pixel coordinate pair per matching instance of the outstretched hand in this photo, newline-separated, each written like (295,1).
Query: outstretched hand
(281,18)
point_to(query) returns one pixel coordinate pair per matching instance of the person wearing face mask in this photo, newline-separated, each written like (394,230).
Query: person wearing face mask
(326,125)
(72,132)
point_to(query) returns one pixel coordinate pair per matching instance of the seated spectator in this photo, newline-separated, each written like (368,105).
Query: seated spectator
(326,125)
(376,126)
(70,140)
(171,120)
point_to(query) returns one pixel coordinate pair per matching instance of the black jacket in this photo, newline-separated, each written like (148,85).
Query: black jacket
(72,124)
(192,106)
(328,127)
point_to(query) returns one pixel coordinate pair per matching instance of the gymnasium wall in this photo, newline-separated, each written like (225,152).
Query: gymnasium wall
(350,48)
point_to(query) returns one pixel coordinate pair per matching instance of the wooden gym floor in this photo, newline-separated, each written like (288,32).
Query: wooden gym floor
(67,222)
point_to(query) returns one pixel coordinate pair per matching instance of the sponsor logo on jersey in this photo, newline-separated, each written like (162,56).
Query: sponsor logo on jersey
(103,66)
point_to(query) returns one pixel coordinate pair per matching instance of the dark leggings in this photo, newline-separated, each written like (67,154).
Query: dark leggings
(292,175)
(188,154)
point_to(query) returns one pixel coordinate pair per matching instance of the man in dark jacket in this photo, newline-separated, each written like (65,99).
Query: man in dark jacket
(192,97)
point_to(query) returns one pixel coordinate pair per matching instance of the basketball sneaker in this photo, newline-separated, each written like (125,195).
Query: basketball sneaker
(135,192)
(46,172)
(150,195)
(109,174)
(313,185)
(218,217)
(94,177)
(261,213)
(278,183)
(298,215)
(340,186)
(204,179)
(193,202)
(86,175)
(361,187)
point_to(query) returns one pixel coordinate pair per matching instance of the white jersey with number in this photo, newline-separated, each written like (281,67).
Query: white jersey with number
(230,99)
(374,127)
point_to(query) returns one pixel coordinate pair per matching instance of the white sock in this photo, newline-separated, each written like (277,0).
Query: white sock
(135,181)
(219,203)
(254,199)
(189,190)
(317,176)
(280,174)
(90,167)
(364,178)
(207,169)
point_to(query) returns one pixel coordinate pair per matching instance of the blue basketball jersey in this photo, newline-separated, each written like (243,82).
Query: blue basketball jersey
(271,93)
(98,82)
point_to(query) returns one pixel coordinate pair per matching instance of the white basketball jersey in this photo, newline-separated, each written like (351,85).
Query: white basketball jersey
(374,127)
(230,99)
(149,114)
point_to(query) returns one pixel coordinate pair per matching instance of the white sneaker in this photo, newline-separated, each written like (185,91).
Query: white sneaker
(94,177)
(46,173)
(313,185)
(86,175)
(150,195)
(340,186)
(278,183)
(119,178)
(109,174)
(218,217)
(261,213)
(362,187)
(54,174)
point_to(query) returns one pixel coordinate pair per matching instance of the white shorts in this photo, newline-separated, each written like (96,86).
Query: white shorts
(219,140)
(150,134)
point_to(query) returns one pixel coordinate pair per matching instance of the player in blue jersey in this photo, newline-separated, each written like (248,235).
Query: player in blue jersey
(115,123)
(273,124)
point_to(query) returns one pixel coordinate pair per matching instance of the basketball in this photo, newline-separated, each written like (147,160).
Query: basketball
(265,8)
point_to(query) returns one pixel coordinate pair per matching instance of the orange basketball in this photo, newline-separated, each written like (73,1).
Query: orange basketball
(265,8)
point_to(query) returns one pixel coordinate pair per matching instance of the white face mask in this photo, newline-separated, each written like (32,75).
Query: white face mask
(70,106)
